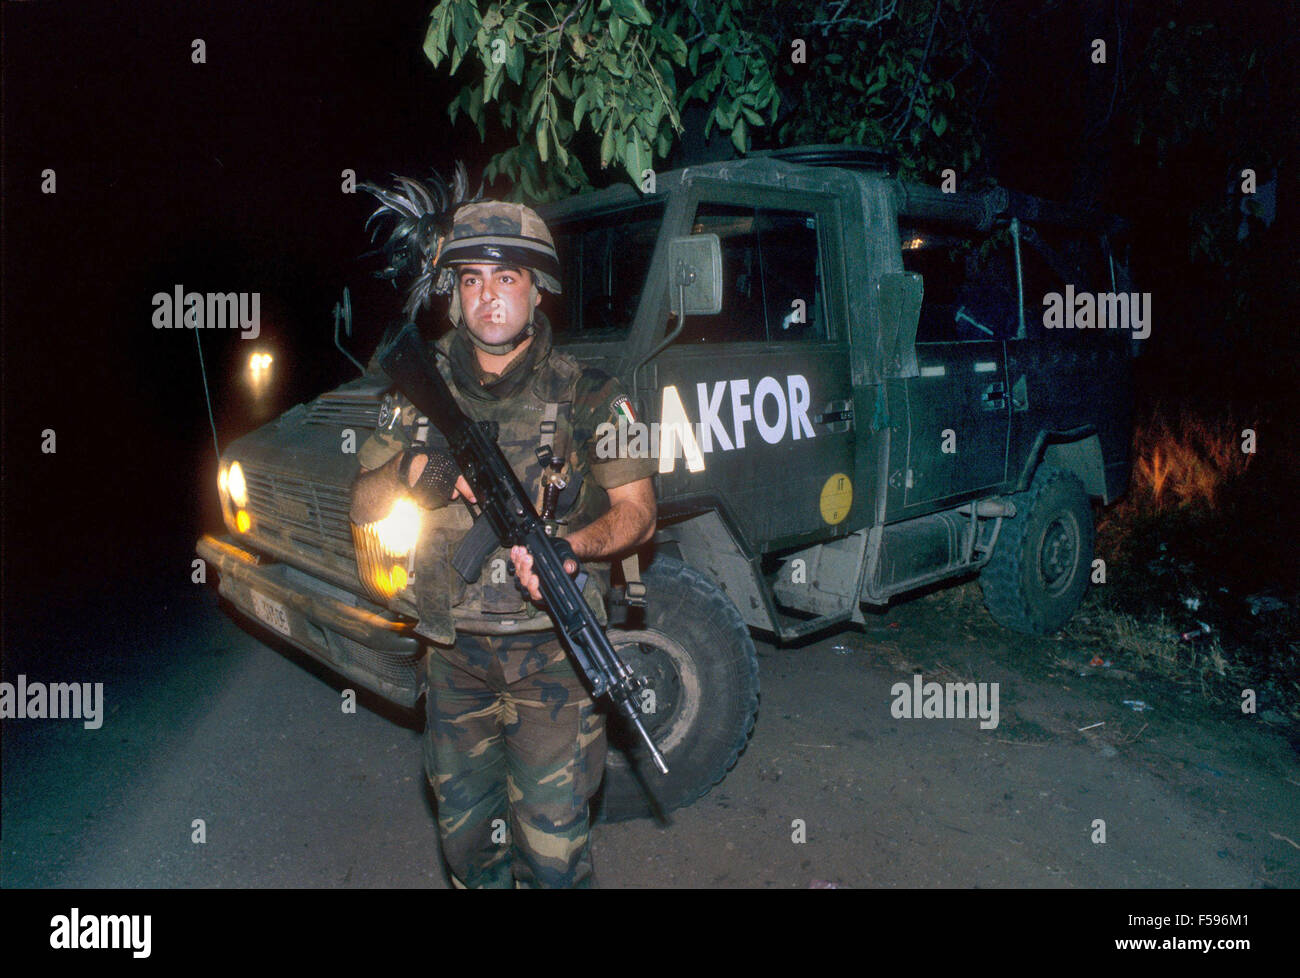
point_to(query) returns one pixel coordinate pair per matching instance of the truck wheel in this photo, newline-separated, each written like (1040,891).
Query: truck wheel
(697,653)
(1039,569)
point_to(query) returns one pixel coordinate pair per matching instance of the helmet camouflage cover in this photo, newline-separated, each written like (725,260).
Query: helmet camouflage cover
(500,233)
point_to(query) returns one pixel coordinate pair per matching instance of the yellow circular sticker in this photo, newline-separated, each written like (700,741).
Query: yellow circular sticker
(837,498)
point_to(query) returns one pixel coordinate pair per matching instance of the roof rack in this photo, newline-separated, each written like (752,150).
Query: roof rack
(844,155)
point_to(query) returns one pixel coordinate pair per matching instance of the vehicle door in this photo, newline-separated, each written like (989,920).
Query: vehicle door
(764,385)
(958,407)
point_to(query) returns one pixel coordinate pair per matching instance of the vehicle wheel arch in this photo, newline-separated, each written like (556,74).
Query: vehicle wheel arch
(1076,450)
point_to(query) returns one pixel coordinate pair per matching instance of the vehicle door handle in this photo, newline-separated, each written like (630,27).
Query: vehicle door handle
(995,396)
(838,415)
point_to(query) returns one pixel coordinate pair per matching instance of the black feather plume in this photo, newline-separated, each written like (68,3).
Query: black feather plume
(421,216)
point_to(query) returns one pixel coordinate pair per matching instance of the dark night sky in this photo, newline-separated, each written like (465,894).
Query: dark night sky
(223,176)
(226,176)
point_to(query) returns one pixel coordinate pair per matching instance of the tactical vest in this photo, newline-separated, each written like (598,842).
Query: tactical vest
(494,604)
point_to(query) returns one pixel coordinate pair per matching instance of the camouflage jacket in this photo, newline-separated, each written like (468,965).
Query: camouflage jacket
(584,399)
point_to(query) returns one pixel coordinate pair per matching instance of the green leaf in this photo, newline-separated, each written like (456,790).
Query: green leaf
(515,63)
(579,110)
(607,143)
(635,159)
(939,123)
(677,49)
(633,11)
(727,112)
(435,37)
(693,59)
(541,142)
(618,31)
(752,116)
(494,79)
(738,133)
(539,93)
(464,24)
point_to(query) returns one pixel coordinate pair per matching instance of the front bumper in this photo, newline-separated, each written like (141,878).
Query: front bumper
(369,645)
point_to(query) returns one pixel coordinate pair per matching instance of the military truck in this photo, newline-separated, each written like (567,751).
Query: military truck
(852,392)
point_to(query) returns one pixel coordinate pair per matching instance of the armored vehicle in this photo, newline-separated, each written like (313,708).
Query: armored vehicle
(853,392)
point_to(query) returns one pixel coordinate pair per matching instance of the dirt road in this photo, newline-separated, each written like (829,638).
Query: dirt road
(205,721)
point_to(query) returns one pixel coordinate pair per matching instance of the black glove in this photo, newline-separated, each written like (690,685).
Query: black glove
(437,481)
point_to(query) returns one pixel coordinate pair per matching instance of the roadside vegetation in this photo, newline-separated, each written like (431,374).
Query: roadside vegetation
(1201,580)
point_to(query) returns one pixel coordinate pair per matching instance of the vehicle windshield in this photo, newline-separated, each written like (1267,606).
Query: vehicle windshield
(604,261)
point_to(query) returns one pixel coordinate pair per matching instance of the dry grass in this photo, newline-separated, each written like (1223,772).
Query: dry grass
(1186,461)
(1152,644)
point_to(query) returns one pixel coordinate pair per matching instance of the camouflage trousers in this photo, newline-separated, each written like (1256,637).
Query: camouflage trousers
(512,765)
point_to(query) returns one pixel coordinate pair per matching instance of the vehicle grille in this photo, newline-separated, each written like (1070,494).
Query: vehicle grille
(344,414)
(400,670)
(310,513)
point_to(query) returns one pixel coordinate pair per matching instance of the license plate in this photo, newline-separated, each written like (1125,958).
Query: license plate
(272,612)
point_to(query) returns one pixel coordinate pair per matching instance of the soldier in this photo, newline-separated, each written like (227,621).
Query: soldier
(514,746)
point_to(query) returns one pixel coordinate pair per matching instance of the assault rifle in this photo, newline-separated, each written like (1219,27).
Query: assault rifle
(509,512)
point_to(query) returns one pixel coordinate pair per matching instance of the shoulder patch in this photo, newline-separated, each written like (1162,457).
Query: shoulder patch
(389,412)
(621,409)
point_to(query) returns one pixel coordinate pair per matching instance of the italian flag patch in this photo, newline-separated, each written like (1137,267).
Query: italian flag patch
(623,410)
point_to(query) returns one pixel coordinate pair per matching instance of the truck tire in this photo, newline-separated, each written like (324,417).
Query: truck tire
(703,669)
(1039,570)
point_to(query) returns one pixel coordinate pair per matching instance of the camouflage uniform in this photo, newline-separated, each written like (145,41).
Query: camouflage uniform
(511,733)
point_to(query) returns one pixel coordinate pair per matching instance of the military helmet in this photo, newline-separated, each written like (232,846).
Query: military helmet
(500,233)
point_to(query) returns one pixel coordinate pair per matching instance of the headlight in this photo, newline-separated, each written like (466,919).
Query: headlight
(399,530)
(235,483)
(222,476)
(385,549)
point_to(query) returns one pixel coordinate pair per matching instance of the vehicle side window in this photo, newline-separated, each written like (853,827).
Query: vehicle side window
(1051,260)
(603,261)
(970,283)
(1041,279)
(771,276)
(1081,258)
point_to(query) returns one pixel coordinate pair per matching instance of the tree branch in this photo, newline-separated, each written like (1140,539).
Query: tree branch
(916,84)
(839,20)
